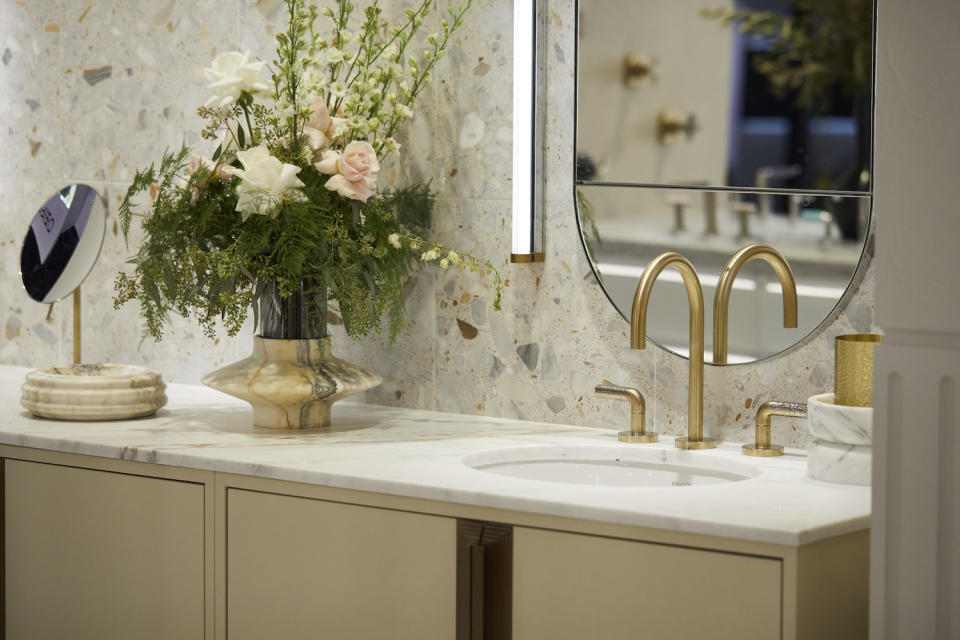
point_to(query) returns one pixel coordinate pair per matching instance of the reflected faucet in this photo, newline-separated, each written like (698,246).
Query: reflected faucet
(638,338)
(721,300)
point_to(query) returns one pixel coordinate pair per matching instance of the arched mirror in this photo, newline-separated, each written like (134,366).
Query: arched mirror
(704,126)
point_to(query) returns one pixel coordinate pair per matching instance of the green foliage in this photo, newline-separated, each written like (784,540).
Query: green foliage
(201,259)
(827,43)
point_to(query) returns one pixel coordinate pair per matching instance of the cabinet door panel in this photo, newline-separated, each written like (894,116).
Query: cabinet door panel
(575,586)
(302,568)
(93,554)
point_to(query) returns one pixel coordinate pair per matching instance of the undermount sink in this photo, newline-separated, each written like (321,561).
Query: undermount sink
(612,466)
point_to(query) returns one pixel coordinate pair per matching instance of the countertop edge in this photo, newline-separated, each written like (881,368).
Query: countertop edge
(182,458)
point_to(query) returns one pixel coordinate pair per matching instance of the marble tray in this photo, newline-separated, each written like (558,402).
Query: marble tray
(93,392)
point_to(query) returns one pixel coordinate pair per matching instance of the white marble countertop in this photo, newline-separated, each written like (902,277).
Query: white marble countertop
(419,454)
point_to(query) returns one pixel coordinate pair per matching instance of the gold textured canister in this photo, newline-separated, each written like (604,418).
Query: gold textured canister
(853,371)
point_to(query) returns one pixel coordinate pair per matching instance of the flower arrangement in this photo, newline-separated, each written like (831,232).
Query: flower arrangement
(289,194)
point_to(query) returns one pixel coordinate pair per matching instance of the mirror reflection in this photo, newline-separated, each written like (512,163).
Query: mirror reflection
(62,243)
(726,93)
(624,228)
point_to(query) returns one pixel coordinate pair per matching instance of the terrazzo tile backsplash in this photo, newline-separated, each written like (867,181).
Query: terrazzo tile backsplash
(94,90)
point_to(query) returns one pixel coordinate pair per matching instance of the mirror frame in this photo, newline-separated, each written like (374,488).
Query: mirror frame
(867,247)
(98,199)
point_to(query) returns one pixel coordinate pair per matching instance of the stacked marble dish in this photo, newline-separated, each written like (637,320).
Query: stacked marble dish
(842,451)
(93,392)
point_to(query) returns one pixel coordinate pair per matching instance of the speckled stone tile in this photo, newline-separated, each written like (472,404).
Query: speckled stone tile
(560,61)
(258,22)
(474,135)
(31,15)
(554,341)
(30,135)
(132,81)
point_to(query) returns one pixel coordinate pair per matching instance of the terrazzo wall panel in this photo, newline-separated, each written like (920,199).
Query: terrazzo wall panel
(92,91)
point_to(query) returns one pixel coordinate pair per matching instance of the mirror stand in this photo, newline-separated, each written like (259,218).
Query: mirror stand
(77,344)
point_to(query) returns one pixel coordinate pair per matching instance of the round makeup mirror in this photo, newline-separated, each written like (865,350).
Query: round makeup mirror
(62,243)
(60,248)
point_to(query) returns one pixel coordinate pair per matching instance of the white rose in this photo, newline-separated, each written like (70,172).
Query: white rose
(231,74)
(264,182)
(394,240)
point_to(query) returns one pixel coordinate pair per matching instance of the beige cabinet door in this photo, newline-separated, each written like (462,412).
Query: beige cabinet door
(302,568)
(575,586)
(96,555)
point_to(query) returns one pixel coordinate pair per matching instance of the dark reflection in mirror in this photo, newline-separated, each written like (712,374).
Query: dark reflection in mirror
(744,93)
(62,243)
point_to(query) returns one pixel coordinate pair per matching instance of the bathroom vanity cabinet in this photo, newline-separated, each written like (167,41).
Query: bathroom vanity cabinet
(102,548)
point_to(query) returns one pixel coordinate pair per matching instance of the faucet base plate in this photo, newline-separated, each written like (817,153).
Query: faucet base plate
(629,436)
(763,452)
(693,445)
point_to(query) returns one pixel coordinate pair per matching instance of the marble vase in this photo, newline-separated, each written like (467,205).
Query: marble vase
(291,384)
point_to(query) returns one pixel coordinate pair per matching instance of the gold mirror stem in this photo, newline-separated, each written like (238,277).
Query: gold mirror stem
(721,300)
(77,344)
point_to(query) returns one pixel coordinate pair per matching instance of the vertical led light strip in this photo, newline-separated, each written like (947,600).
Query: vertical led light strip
(527,133)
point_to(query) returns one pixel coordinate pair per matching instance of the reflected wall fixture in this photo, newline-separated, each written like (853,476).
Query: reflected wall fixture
(528,103)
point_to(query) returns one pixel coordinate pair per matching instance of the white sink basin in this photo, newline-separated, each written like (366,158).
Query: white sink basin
(612,466)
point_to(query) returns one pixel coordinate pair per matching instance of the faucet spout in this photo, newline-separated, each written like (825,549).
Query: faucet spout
(721,300)
(638,338)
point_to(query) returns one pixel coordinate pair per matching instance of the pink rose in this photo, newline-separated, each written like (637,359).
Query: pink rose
(353,172)
(321,116)
(197,161)
(319,131)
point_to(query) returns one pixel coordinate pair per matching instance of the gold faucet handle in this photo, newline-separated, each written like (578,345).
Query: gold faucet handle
(762,447)
(638,431)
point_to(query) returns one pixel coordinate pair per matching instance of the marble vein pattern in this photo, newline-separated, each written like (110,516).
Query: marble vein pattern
(291,384)
(91,94)
(839,463)
(420,454)
(837,423)
(93,392)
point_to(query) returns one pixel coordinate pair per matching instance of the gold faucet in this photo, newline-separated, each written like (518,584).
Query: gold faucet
(721,300)
(638,338)
(638,426)
(762,447)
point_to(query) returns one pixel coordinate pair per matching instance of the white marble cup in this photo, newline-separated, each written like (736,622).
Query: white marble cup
(841,451)
(839,463)
(838,423)
(91,392)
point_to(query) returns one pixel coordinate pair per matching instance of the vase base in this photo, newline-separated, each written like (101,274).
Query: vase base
(291,384)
